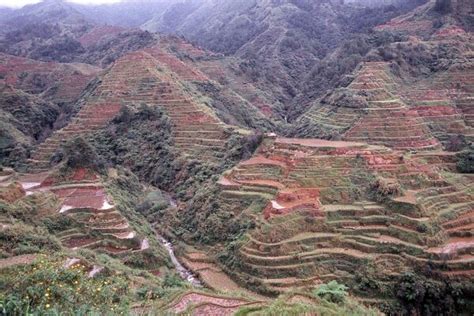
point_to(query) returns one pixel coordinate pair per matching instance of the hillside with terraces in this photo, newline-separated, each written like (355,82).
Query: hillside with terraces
(261,158)
(326,217)
(157,81)
(160,80)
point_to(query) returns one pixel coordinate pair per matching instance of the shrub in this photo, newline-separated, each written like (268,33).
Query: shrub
(420,295)
(21,239)
(333,292)
(48,288)
(465,162)
(456,143)
(173,280)
(385,188)
(78,153)
(141,141)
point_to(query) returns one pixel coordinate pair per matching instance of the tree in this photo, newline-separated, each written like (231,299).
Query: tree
(333,292)
(78,153)
(465,162)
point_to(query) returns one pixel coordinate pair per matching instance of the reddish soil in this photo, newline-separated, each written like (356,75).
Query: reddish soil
(318,143)
(197,298)
(199,129)
(69,80)
(184,71)
(411,27)
(82,174)
(291,200)
(211,309)
(450,31)
(224,181)
(454,245)
(82,197)
(260,160)
(79,242)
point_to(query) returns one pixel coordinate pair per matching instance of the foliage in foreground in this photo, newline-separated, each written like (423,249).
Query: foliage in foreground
(47,287)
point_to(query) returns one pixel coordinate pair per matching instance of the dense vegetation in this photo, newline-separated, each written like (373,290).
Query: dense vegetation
(465,162)
(25,120)
(141,141)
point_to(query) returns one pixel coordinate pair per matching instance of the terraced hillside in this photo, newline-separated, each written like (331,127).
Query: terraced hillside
(35,97)
(201,303)
(161,177)
(335,207)
(237,98)
(443,98)
(60,83)
(100,236)
(403,96)
(83,197)
(382,118)
(158,80)
(90,217)
(445,104)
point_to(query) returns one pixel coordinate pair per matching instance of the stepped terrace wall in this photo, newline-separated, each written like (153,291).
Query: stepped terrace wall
(60,83)
(338,227)
(83,198)
(426,101)
(388,121)
(372,112)
(197,131)
(443,101)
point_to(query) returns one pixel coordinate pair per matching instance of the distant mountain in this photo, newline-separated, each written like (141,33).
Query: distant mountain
(48,11)
(4,12)
(126,13)
(283,47)
(55,30)
(286,42)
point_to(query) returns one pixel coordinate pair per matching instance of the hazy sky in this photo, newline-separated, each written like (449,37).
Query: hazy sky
(20,3)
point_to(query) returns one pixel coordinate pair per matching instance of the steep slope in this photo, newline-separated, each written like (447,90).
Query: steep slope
(333,208)
(174,136)
(56,82)
(426,81)
(159,79)
(77,244)
(35,98)
(84,198)
(56,30)
(83,248)
(282,44)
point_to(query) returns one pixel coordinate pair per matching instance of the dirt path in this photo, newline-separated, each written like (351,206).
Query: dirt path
(17,260)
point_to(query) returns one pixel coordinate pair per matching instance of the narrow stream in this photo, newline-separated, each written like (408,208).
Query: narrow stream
(186,274)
